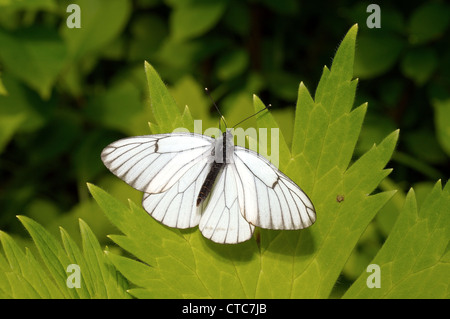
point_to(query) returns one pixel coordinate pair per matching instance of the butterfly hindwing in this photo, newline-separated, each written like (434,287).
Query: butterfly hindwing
(222,221)
(177,206)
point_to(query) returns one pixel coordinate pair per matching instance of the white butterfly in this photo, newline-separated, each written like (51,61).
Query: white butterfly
(178,171)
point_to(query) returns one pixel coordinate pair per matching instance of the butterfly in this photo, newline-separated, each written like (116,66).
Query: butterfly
(191,179)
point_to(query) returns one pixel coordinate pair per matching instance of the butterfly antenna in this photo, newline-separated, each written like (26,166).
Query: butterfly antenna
(217,108)
(267,107)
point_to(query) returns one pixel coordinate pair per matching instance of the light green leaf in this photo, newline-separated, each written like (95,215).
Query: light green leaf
(182,263)
(167,114)
(142,275)
(22,276)
(266,121)
(414,261)
(76,256)
(325,134)
(237,107)
(52,254)
(24,269)
(107,283)
(189,92)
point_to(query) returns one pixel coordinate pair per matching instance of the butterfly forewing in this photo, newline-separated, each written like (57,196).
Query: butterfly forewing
(154,163)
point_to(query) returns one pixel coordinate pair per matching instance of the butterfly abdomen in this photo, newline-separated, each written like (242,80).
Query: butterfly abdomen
(209,182)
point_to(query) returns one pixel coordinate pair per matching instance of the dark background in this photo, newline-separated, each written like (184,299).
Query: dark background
(66,93)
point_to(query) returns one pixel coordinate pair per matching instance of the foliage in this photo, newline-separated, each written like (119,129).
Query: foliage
(415,259)
(22,276)
(284,264)
(66,93)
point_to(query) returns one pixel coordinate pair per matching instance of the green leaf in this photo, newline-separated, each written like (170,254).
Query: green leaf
(22,276)
(76,256)
(195,17)
(144,44)
(422,144)
(52,254)
(3,90)
(419,64)
(283,6)
(189,92)
(414,261)
(232,64)
(428,22)
(8,125)
(325,134)
(109,110)
(266,121)
(442,122)
(101,22)
(107,283)
(21,102)
(182,264)
(25,275)
(305,263)
(377,52)
(283,84)
(30,4)
(36,56)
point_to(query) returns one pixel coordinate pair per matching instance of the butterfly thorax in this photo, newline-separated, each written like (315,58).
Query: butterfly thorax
(224,148)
